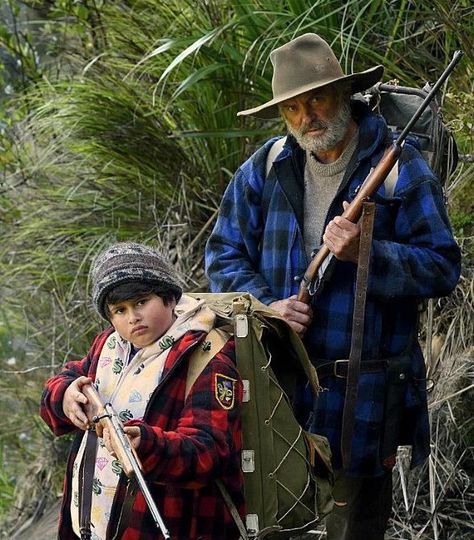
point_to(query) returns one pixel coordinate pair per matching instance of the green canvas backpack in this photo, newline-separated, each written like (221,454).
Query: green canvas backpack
(287,471)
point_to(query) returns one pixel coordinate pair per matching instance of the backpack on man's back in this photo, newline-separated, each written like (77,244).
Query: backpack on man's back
(397,104)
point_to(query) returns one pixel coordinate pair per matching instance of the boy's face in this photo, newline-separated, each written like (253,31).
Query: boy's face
(142,320)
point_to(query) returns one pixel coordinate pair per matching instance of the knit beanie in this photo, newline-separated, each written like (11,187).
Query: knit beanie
(125,262)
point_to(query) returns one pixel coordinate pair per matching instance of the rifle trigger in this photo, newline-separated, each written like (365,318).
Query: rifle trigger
(96,419)
(313,286)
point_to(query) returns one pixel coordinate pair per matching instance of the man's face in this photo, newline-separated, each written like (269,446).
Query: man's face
(318,119)
(142,320)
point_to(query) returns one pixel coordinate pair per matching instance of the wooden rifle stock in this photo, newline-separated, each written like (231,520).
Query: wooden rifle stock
(104,416)
(98,415)
(372,183)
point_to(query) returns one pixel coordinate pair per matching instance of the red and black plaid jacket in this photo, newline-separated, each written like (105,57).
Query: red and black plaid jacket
(184,447)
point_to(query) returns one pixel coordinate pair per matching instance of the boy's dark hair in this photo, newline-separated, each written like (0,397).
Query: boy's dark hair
(136,289)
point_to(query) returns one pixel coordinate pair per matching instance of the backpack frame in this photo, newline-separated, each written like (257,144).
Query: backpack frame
(397,104)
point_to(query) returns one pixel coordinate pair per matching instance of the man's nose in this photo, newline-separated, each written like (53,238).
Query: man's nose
(309,115)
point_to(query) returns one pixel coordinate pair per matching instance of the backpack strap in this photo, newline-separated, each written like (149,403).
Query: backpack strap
(273,153)
(391,181)
(213,344)
(233,510)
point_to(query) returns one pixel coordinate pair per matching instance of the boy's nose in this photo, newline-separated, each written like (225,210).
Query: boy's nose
(134,317)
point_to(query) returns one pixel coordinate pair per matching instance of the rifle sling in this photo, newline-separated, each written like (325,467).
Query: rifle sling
(354,365)
(86,476)
(233,510)
(124,519)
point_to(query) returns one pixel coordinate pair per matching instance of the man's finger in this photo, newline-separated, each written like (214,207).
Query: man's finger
(81,398)
(345,224)
(297,305)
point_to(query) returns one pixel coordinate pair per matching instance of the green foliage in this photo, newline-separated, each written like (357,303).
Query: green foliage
(124,126)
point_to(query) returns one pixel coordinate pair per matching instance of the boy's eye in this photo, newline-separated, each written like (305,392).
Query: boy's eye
(117,311)
(142,301)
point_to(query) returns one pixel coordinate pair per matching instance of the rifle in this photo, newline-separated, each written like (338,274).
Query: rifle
(373,181)
(106,417)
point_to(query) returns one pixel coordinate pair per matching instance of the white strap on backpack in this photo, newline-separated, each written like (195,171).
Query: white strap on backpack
(215,341)
(273,153)
(391,181)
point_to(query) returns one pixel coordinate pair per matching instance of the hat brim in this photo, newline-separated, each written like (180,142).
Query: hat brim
(359,82)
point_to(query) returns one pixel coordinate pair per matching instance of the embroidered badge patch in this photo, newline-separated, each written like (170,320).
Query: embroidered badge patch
(225,391)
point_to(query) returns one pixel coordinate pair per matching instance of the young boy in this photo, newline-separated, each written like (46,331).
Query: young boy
(140,366)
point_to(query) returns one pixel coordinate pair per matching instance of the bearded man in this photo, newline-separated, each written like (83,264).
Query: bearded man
(271,223)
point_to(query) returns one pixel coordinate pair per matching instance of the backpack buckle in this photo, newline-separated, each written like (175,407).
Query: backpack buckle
(336,370)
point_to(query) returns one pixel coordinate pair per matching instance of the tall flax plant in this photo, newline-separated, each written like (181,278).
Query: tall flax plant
(139,137)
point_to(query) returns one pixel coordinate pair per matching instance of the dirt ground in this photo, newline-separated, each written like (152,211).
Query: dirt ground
(46,528)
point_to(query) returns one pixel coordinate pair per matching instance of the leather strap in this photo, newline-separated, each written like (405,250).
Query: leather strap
(124,519)
(339,368)
(233,510)
(86,477)
(354,364)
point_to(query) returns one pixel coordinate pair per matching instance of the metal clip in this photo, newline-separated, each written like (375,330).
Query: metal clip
(248,461)
(241,326)
(339,362)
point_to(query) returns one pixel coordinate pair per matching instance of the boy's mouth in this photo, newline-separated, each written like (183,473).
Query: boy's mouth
(139,329)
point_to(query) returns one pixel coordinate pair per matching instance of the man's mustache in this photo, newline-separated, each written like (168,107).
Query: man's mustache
(313,125)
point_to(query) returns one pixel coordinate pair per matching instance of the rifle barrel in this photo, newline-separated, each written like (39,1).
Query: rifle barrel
(126,454)
(456,58)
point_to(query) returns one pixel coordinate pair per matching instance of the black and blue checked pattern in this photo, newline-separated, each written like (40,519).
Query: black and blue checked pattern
(257,246)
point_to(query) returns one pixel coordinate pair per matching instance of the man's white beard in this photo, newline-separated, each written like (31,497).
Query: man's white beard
(335,130)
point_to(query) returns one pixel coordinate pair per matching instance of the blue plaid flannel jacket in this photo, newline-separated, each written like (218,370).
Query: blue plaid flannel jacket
(257,246)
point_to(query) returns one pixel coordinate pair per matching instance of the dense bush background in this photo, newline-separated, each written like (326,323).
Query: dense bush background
(118,121)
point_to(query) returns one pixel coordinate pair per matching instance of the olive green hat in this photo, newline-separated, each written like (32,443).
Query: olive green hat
(304,64)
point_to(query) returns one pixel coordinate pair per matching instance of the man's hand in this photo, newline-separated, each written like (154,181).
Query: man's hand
(297,314)
(132,432)
(74,402)
(342,237)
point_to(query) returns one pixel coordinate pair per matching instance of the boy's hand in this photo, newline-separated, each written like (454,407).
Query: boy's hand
(74,402)
(132,432)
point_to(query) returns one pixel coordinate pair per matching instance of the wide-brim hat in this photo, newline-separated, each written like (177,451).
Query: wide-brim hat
(304,64)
